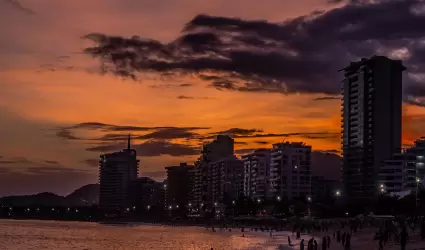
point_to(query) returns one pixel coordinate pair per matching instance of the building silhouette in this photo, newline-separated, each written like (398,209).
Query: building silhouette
(371,122)
(179,186)
(257,174)
(116,173)
(221,147)
(226,185)
(147,194)
(290,170)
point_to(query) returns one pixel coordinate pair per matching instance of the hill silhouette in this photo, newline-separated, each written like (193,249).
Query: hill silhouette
(84,196)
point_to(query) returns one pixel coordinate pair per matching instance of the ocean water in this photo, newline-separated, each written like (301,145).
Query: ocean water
(32,234)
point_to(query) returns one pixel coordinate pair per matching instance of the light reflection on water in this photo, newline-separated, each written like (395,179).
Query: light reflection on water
(82,235)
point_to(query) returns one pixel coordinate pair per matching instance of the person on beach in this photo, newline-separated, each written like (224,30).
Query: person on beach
(310,244)
(343,239)
(404,237)
(289,241)
(298,235)
(328,241)
(302,244)
(324,245)
(315,245)
(381,244)
(348,242)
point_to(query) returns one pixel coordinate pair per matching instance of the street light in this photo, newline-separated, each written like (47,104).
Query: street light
(417,190)
(309,198)
(278,198)
(148,207)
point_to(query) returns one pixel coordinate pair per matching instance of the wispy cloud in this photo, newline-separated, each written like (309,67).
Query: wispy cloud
(18,6)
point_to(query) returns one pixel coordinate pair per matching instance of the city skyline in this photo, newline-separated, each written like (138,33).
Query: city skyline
(55,121)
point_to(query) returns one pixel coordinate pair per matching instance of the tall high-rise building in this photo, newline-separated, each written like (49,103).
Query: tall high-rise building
(256,174)
(116,173)
(290,170)
(226,180)
(371,122)
(221,147)
(418,150)
(179,185)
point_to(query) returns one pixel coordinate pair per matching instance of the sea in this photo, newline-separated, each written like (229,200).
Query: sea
(58,235)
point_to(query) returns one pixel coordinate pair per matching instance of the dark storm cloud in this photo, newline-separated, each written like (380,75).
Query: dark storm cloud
(92,162)
(262,142)
(183,97)
(313,135)
(297,55)
(16,160)
(239,131)
(120,128)
(42,170)
(326,98)
(157,132)
(66,134)
(151,148)
(51,162)
(330,151)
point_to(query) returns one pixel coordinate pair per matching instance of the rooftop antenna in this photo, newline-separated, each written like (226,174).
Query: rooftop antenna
(128,142)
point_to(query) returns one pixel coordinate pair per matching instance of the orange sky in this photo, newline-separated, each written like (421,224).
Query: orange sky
(34,103)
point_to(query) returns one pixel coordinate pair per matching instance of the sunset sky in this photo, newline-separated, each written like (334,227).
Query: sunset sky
(262,71)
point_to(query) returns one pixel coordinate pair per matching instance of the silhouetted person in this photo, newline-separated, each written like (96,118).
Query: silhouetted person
(404,237)
(289,241)
(315,245)
(310,244)
(343,239)
(328,241)
(348,242)
(298,235)
(381,244)
(423,229)
(324,245)
(302,244)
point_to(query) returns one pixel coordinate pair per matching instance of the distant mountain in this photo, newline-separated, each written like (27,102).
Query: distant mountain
(83,196)
(46,199)
(325,164)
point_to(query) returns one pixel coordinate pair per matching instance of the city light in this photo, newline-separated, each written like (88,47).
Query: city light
(418,180)
(346,213)
(215,203)
(233,202)
(382,185)
(309,198)
(258,201)
(177,206)
(190,204)
(148,207)
(338,193)
(295,166)
(278,198)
